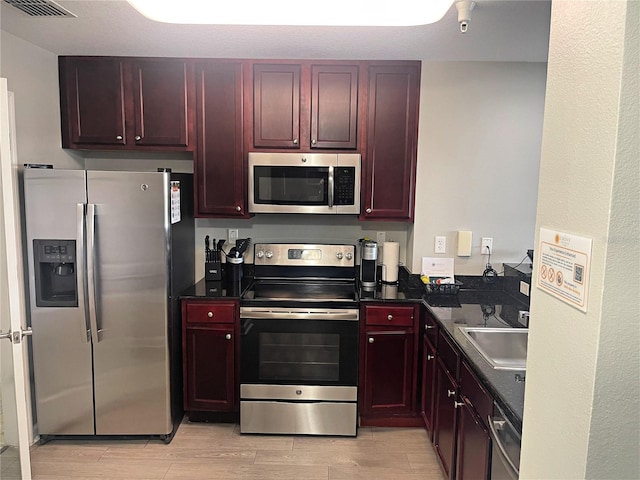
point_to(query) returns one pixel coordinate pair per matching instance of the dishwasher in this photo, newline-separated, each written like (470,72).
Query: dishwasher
(505,457)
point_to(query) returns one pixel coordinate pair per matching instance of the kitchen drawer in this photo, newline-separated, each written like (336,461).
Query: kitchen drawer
(389,315)
(472,388)
(448,354)
(431,328)
(210,312)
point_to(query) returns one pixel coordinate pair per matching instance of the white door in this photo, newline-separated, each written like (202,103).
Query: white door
(15,405)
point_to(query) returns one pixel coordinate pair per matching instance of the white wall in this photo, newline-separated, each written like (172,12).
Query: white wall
(582,397)
(478,156)
(478,151)
(32,75)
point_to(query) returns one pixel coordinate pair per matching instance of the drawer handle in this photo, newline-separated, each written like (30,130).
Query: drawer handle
(371,340)
(429,327)
(138,138)
(118,137)
(451,393)
(210,314)
(389,317)
(430,357)
(457,404)
(228,336)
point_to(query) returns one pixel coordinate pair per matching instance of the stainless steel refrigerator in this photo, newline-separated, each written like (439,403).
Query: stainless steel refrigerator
(108,255)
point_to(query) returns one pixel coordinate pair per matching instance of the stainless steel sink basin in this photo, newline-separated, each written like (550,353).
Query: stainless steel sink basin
(503,348)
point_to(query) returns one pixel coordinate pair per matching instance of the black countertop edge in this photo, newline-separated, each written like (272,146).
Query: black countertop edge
(490,307)
(506,389)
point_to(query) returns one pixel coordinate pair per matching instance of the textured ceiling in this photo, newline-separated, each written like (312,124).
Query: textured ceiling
(499,31)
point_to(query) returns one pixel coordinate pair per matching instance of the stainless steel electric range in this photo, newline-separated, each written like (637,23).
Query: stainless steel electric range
(299,344)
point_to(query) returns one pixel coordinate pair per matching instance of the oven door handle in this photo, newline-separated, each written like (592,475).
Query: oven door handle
(303,314)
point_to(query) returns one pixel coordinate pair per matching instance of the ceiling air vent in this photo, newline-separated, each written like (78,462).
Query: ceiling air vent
(40,8)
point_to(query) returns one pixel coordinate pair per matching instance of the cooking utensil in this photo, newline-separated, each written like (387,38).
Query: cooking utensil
(207,251)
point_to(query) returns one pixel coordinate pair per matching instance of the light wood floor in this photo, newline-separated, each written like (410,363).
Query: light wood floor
(218,451)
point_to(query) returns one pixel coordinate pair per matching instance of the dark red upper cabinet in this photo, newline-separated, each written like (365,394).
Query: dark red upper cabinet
(389,165)
(92,94)
(118,103)
(276,105)
(334,105)
(219,170)
(160,102)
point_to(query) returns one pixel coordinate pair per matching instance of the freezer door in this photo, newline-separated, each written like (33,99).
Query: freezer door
(129,231)
(61,347)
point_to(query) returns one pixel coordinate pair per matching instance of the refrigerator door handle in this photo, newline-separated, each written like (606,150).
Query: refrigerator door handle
(91,271)
(80,271)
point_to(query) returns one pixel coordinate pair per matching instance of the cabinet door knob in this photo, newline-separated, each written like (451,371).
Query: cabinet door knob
(210,314)
(368,210)
(371,340)
(118,137)
(457,404)
(389,317)
(138,137)
(238,208)
(451,393)
(295,141)
(228,336)
(430,357)
(313,141)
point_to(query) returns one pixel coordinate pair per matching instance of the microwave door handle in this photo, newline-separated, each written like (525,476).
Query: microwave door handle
(331,182)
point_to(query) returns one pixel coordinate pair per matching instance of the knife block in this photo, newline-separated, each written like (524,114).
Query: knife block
(212,271)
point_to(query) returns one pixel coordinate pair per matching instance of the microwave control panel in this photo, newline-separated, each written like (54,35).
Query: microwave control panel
(345,179)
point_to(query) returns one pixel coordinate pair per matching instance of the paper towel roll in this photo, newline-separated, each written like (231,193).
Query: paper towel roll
(390,261)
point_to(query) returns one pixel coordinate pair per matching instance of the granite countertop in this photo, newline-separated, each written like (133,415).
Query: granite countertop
(480,305)
(491,310)
(477,306)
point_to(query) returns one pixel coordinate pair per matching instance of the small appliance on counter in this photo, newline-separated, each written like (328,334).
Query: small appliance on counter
(368,263)
(235,264)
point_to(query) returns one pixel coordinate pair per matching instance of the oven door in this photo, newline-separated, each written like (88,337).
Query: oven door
(307,347)
(299,371)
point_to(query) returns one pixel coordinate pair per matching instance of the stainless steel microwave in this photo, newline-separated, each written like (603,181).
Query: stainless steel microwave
(325,183)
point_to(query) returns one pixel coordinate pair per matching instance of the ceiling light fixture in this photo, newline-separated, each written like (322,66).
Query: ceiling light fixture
(292,12)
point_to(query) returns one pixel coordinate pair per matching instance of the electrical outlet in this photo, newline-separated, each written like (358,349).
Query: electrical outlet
(381,237)
(486,247)
(440,245)
(232,235)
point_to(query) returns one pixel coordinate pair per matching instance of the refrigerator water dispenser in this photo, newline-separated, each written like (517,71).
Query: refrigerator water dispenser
(55,272)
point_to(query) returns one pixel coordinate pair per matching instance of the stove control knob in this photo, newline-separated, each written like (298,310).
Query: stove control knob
(269,254)
(349,256)
(339,255)
(259,254)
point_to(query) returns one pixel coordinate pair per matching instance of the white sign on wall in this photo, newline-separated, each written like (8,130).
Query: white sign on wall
(563,269)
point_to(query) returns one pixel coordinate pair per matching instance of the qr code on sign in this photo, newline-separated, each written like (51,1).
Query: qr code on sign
(578,271)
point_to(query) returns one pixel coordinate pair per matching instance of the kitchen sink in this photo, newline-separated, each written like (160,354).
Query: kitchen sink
(503,348)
